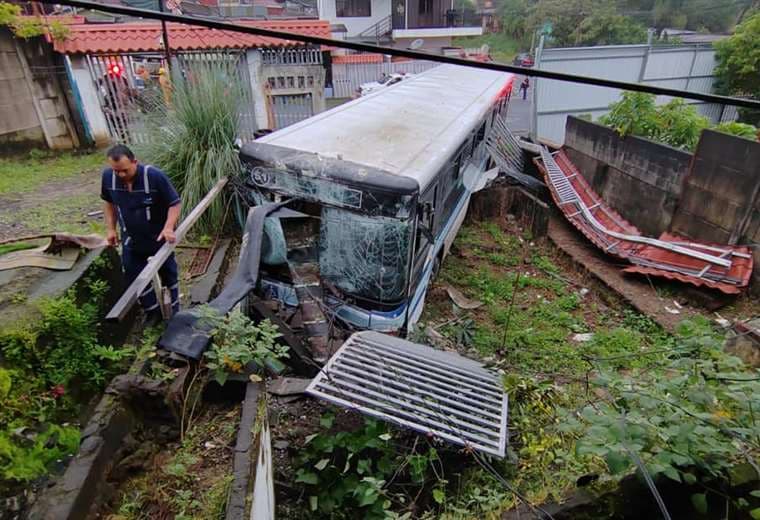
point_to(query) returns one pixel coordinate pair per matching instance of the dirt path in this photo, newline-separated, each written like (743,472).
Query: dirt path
(636,290)
(59,205)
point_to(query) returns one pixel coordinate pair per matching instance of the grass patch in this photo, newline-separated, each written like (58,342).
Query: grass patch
(68,214)
(191,483)
(503,47)
(19,246)
(24,174)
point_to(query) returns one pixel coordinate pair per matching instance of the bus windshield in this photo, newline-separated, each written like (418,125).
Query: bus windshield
(364,256)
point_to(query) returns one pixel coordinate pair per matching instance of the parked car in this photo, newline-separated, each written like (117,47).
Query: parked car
(524,60)
(385,81)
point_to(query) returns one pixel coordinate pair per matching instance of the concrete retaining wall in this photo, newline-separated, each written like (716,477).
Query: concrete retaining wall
(639,178)
(711,195)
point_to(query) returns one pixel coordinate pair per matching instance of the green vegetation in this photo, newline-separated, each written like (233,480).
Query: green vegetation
(24,174)
(18,246)
(631,394)
(674,123)
(739,130)
(67,214)
(367,472)
(689,417)
(191,483)
(193,138)
(738,62)
(30,27)
(49,367)
(593,22)
(238,342)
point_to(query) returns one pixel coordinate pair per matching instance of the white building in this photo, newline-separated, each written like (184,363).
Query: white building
(398,22)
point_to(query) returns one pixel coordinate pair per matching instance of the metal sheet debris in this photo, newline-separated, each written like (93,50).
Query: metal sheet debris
(415,386)
(723,267)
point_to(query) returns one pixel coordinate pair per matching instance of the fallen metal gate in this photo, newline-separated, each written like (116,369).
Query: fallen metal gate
(431,391)
(290,109)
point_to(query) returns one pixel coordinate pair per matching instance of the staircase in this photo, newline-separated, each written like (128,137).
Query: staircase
(378,32)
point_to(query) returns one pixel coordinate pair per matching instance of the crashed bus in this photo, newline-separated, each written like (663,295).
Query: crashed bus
(379,187)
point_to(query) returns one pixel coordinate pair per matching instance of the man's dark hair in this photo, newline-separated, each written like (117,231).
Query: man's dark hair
(118,151)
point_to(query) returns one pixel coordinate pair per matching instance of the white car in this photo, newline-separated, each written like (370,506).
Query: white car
(385,81)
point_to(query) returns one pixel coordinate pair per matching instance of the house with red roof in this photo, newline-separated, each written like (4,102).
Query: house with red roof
(110,63)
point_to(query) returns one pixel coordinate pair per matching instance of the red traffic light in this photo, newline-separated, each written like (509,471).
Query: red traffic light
(114,69)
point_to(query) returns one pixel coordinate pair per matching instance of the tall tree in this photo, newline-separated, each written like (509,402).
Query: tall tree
(738,67)
(585,22)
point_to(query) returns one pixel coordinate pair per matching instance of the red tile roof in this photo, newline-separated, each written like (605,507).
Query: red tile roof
(357,58)
(146,36)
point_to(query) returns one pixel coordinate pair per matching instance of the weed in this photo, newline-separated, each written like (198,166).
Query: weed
(354,474)
(193,483)
(237,342)
(503,47)
(27,459)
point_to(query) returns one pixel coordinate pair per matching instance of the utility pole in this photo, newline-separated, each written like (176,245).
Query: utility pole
(165,34)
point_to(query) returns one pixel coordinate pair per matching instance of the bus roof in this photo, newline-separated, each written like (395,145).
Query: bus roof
(409,129)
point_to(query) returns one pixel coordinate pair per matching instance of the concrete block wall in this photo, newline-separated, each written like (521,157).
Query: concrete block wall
(712,195)
(33,107)
(639,178)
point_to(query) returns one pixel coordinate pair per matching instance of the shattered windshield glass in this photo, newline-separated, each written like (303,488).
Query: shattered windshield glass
(362,255)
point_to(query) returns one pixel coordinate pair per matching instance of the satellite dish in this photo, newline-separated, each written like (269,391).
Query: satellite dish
(417,44)
(485,49)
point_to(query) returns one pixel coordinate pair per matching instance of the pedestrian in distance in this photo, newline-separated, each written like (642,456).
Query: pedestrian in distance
(146,206)
(524,87)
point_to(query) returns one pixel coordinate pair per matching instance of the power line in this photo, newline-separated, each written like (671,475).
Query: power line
(404,53)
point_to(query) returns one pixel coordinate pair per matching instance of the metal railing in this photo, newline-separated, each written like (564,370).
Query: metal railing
(379,30)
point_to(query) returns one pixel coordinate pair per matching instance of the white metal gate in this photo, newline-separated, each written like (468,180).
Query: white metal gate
(129,88)
(290,109)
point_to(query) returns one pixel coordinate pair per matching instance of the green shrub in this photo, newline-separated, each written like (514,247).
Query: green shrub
(61,346)
(192,138)
(26,459)
(238,341)
(351,474)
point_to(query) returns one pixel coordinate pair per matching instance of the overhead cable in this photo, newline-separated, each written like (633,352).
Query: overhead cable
(405,53)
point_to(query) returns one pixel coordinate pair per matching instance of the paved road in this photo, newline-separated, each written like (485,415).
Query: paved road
(518,116)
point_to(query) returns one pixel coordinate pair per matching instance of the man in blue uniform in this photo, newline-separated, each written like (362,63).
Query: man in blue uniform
(146,205)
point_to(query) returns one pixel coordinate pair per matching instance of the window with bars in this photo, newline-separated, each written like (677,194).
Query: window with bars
(353,8)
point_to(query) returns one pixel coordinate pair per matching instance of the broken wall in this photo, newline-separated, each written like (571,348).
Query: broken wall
(33,107)
(640,179)
(720,194)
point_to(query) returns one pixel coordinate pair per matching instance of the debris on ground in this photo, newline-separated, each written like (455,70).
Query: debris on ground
(460,300)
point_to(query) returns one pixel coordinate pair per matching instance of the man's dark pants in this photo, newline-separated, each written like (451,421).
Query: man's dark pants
(134,261)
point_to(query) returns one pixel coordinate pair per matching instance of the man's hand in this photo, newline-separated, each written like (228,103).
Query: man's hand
(112,238)
(168,235)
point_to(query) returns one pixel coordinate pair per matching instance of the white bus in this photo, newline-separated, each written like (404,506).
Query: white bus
(384,182)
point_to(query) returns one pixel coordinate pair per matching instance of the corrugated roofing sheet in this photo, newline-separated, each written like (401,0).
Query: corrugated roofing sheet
(569,189)
(146,36)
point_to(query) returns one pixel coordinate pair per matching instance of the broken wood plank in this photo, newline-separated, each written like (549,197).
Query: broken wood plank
(128,299)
